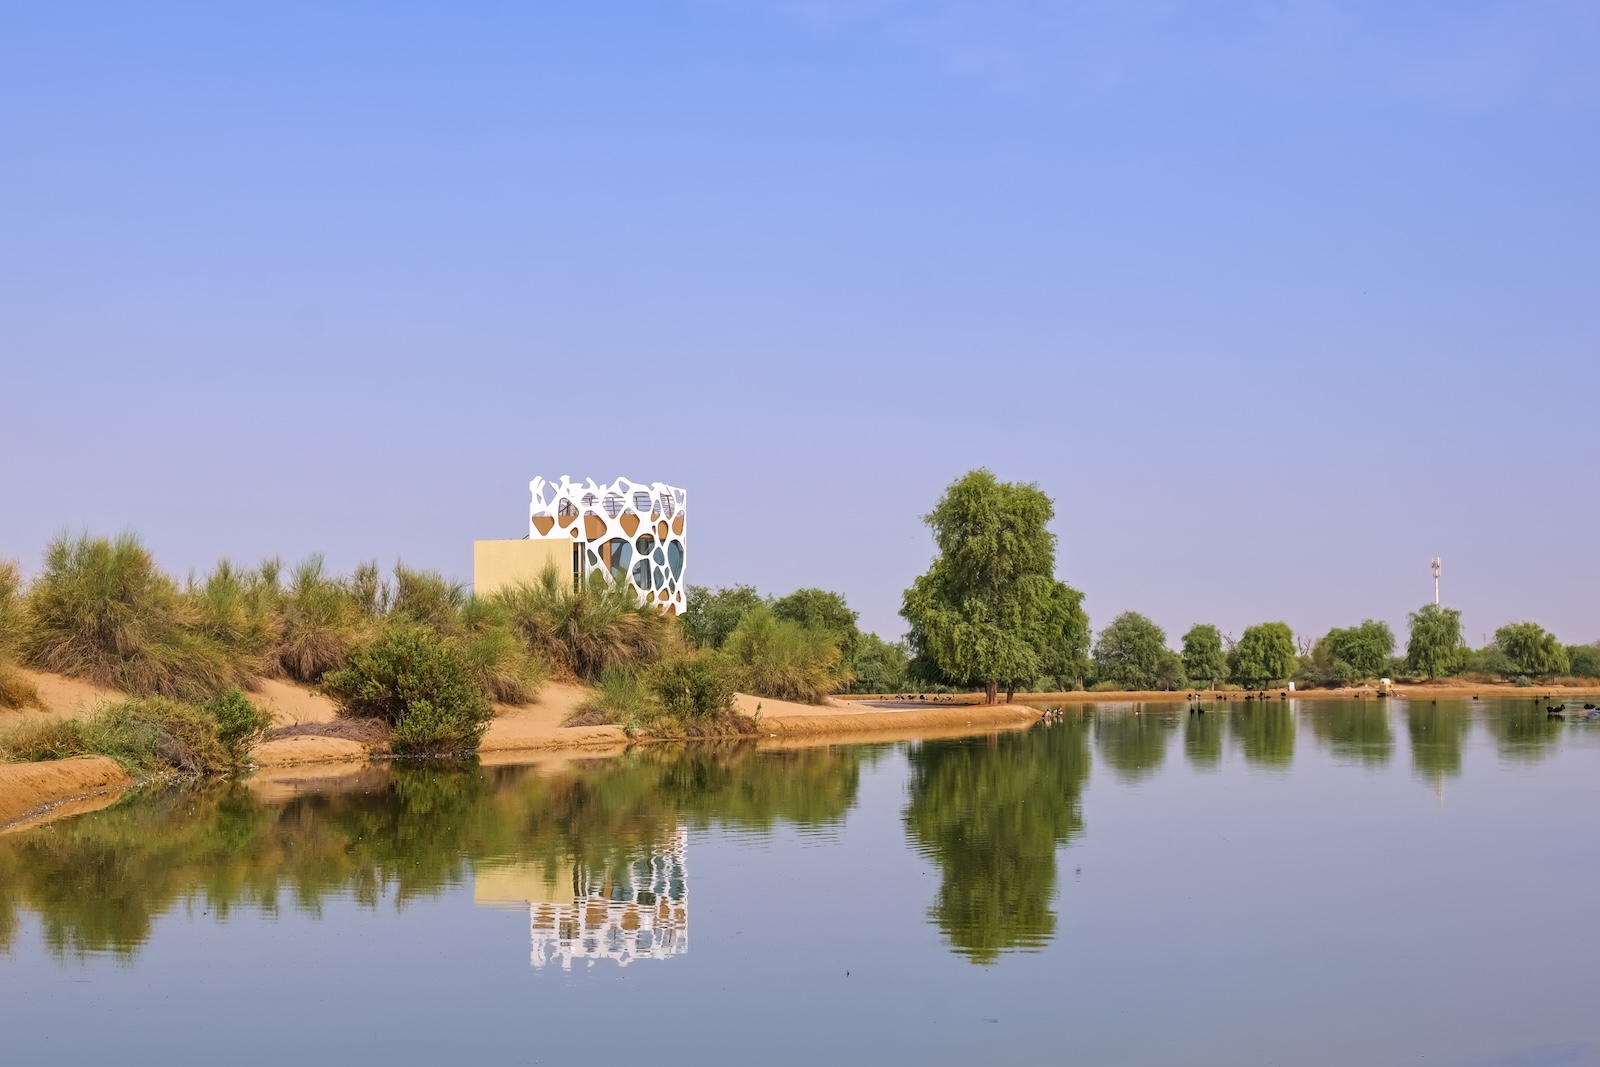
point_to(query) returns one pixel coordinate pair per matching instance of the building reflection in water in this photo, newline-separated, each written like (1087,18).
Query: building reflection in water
(628,910)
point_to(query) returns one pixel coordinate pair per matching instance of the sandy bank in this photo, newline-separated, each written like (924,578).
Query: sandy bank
(29,790)
(786,719)
(538,726)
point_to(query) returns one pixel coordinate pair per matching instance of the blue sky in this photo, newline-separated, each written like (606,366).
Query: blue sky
(1277,300)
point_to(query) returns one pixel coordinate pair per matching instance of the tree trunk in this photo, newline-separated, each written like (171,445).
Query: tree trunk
(991,690)
(1011,691)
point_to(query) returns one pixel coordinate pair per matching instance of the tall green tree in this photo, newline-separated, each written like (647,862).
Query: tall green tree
(1203,657)
(819,609)
(1264,654)
(1434,647)
(1584,660)
(1131,652)
(710,615)
(1366,648)
(1532,649)
(988,610)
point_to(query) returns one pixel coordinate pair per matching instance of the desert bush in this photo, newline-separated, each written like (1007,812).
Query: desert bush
(495,655)
(319,621)
(15,690)
(784,660)
(695,691)
(103,612)
(238,612)
(239,722)
(618,696)
(427,598)
(417,682)
(581,632)
(145,735)
(1584,660)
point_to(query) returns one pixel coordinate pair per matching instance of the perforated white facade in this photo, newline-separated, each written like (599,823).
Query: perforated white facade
(629,530)
(639,910)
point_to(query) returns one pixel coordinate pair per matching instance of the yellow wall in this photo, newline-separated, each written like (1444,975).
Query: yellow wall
(497,564)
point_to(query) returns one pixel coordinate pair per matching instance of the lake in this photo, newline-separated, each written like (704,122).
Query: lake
(1308,882)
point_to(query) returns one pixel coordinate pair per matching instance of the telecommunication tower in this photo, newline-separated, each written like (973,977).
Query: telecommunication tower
(1436,569)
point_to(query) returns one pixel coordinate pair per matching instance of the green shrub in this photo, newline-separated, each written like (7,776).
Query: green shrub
(101,611)
(619,696)
(696,688)
(784,660)
(581,632)
(319,622)
(15,690)
(417,682)
(1584,660)
(239,722)
(237,611)
(144,735)
(428,599)
(495,655)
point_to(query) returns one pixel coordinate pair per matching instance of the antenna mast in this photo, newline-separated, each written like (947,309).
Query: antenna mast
(1436,569)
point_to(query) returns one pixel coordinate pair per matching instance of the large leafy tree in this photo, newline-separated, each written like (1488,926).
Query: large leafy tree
(1264,654)
(1532,649)
(1366,648)
(1203,657)
(1132,652)
(819,609)
(710,615)
(1434,646)
(989,609)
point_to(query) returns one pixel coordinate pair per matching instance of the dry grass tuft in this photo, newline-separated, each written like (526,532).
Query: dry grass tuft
(582,632)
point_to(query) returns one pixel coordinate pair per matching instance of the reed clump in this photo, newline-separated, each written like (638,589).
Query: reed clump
(15,690)
(581,632)
(784,660)
(686,694)
(147,735)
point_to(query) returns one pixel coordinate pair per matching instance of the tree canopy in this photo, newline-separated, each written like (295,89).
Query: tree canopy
(1434,646)
(989,609)
(1264,654)
(710,615)
(818,609)
(1132,652)
(1531,649)
(1366,648)
(1203,657)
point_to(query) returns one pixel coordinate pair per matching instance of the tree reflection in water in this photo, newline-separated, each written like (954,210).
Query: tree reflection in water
(1133,743)
(1202,739)
(1264,731)
(991,812)
(1352,729)
(1522,730)
(99,881)
(1438,732)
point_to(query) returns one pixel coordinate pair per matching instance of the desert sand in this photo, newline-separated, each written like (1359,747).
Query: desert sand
(29,791)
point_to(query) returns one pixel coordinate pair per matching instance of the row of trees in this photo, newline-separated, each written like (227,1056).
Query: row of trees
(989,612)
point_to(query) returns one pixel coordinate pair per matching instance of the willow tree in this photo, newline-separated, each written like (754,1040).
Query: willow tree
(1435,646)
(990,610)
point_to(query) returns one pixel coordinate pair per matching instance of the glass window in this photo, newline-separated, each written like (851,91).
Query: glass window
(645,544)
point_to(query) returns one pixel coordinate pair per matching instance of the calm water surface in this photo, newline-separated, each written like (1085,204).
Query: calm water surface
(1315,883)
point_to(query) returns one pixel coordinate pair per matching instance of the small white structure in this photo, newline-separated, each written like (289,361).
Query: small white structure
(628,530)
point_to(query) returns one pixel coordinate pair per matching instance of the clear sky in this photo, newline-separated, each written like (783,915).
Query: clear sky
(1277,300)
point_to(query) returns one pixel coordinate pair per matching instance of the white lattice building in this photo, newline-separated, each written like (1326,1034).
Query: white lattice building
(628,530)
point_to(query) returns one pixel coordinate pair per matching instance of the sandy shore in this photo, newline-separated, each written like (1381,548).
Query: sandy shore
(35,792)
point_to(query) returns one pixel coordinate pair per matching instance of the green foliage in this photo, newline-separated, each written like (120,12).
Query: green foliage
(1062,639)
(581,632)
(710,615)
(495,656)
(426,598)
(696,690)
(1265,654)
(1531,650)
(1584,660)
(15,690)
(1204,659)
(621,697)
(825,612)
(1132,652)
(881,666)
(1435,647)
(239,722)
(101,611)
(417,682)
(320,622)
(784,660)
(1366,648)
(145,735)
(1488,660)
(980,613)
(1323,668)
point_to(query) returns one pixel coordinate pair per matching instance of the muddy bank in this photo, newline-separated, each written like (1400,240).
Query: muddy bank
(31,790)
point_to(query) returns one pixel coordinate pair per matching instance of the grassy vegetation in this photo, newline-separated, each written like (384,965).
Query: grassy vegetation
(418,682)
(147,735)
(689,694)
(15,690)
(582,632)
(784,660)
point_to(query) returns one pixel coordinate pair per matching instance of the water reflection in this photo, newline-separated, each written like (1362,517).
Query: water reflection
(98,882)
(1355,730)
(1133,742)
(991,812)
(1264,731)
(1202,739)
(1438,732)
(1522,730)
